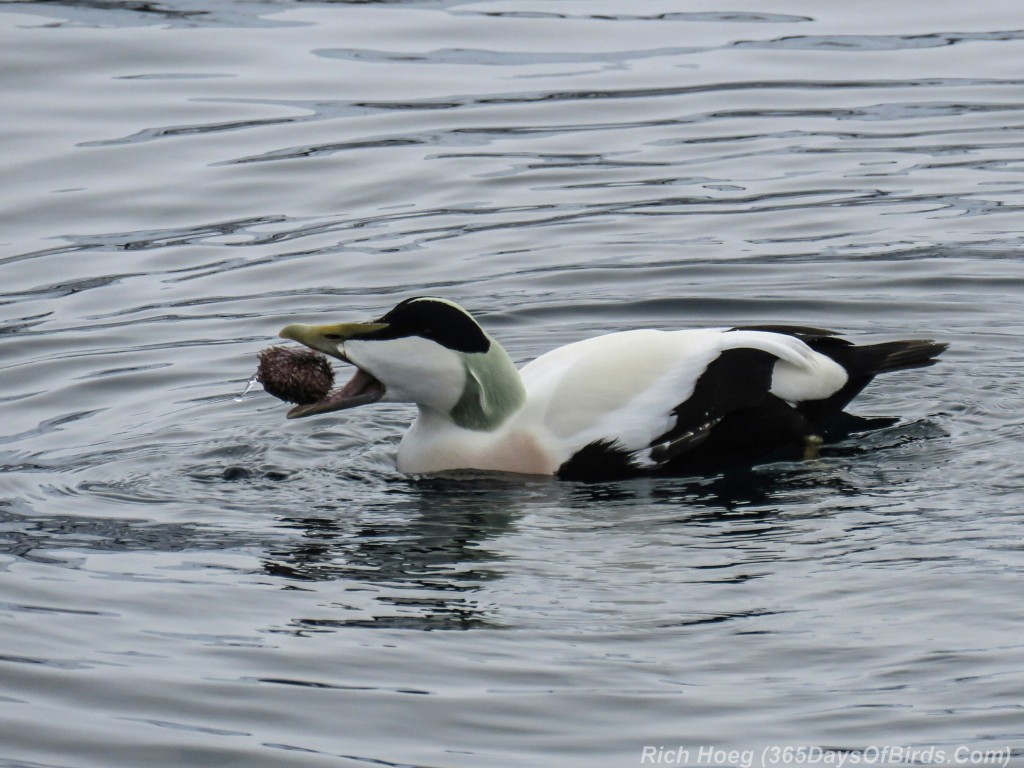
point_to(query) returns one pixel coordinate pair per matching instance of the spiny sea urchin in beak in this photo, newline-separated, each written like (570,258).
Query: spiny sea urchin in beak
(363,388)
(299,376)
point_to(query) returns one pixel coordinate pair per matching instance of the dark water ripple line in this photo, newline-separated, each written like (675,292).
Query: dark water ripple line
(67,664)
(744,17)
(874,43)
(553,214)
(372,761)
(175,76)
(325,110)
(648,207)
(141,240)
(105,7)
(178,726)
(967,204)
(159,238)
(335,686)
(317,111)
(213,267)
(488,57)
(316,150)
(156,346)
(58,610)
(638,271)
(483,135)
(70,287)
(15,325)
(53,424)
(113,14)
(689,307)
(198,234)
(154,134)
(911,136)
(539,97)
(886,111)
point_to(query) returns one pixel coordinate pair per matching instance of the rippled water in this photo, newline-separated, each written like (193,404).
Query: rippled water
(189,580)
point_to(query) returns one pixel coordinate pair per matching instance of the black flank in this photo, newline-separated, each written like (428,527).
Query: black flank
(599,460)
(737,379)
(731,418)
(769,431)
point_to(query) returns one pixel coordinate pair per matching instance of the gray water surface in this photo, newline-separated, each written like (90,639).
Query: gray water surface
(188,580)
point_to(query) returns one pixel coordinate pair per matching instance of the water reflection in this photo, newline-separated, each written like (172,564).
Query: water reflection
(424,552)
(420,554)
(58,539)
(423,559)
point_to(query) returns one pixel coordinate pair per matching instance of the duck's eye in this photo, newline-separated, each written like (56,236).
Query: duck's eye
(332,337)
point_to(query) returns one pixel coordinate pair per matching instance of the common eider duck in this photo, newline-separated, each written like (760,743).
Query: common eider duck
(632,402)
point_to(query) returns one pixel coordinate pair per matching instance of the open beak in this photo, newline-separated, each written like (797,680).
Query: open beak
(362,388)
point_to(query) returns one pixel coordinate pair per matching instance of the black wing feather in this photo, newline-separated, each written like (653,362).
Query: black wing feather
(730,412)
(736,380)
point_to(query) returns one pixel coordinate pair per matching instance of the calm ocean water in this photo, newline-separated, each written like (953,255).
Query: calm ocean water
(187,580)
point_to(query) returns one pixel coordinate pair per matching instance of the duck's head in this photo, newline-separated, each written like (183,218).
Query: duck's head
(426,351)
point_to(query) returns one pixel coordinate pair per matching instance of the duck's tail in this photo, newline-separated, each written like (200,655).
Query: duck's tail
(873,359)
(863,363)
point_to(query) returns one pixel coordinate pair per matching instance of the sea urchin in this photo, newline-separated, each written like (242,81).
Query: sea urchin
(299,376)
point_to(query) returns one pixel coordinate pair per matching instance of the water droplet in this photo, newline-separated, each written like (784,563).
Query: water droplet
(248,388)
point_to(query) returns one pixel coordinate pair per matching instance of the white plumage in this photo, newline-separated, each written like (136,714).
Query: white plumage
(615,404)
